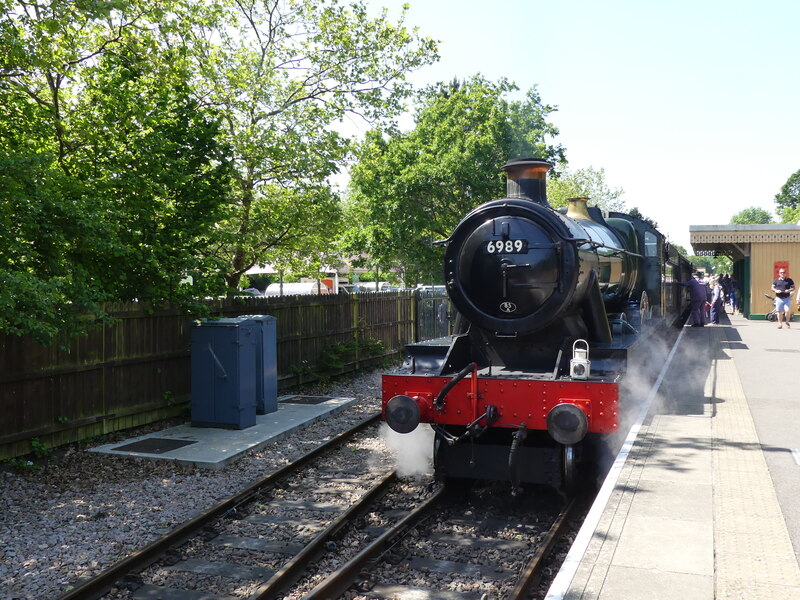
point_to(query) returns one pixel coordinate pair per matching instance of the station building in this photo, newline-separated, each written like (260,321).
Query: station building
(757,252)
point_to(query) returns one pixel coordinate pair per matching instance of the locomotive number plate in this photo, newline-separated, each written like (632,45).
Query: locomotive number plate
(507,246)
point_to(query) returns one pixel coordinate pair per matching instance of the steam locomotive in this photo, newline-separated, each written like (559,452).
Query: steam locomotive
(551,305)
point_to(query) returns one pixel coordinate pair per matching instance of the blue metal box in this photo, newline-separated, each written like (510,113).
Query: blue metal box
(223,373)
(266,364)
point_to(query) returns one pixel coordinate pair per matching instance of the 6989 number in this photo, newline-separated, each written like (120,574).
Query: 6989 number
(507,246)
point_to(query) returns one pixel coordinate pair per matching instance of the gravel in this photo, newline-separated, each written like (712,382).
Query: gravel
(82,511)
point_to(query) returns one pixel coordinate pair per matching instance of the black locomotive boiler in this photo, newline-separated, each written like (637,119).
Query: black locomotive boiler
(551,304)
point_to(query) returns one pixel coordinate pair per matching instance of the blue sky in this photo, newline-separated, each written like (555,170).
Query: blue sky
(691,107)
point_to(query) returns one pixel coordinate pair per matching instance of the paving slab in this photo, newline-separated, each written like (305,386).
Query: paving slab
(627,583)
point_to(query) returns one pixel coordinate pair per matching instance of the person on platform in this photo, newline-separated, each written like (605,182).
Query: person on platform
(725,282)
(697,297)
(734,295)
(783,287)
(717,300)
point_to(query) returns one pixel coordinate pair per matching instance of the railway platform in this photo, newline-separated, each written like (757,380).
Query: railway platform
(701,502)
(214,448)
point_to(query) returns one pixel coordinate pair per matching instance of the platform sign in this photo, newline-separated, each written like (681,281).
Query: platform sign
(777,266)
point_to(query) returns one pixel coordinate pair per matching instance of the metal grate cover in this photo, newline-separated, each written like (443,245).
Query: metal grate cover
(307,399)
(154,445)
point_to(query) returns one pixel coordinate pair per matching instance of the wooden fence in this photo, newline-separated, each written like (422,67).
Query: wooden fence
(138,369)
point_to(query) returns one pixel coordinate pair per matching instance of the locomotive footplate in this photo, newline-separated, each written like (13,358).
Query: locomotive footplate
(519,402)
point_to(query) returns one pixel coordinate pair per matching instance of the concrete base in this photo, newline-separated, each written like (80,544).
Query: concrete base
(214,448)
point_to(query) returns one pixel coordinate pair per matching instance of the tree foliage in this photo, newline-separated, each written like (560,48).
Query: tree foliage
(680,249)
(752,216)
(634,212)
(584,183)
(110,173)
(146,141)
(712,264)
(410,189)
(283,72)
(788,199)
(789,196)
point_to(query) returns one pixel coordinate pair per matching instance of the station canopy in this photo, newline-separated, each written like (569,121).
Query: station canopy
(735,240)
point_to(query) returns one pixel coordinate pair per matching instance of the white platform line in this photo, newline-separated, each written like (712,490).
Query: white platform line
(796,455)
(560,586)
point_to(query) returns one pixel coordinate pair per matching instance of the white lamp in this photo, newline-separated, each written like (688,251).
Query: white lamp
(580,365)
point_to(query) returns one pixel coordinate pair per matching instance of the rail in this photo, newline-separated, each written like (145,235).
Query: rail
(338,582)
(102,583)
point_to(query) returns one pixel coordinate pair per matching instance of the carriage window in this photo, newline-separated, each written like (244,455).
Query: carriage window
(650,244)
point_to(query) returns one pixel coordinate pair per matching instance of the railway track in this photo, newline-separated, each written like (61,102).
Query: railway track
(331,524)
(306,527)
(449,548)
(250,557)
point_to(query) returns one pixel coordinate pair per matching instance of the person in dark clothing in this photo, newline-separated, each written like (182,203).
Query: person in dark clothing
(697,295)
(725,282)
(783,287)
(734,295)
(717,300)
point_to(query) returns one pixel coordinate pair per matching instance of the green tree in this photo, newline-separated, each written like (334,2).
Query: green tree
(788,199)
(634,212)
(410,189)
(110,172)
(587,183)
(752,216)
(144,141)
(680,249)
(166,190)
(712,264)
(283,73)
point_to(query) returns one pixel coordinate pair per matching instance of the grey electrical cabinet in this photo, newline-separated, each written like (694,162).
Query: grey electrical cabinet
(224,372)
(266,364)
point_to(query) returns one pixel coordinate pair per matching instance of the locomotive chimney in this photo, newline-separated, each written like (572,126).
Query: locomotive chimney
(527,179)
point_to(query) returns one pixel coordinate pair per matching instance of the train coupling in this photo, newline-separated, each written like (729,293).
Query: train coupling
(474,430)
